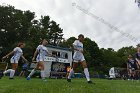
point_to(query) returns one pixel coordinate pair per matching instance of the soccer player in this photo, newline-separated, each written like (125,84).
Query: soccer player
(24,69)
(41,53)
(138,55)
(17,53)
(78,57)
(132,65)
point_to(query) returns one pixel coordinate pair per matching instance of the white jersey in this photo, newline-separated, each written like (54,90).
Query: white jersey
(17,54)
(78,56)
(42,53)
(78,45)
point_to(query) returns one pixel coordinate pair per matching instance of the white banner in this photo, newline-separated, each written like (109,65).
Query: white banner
(54,59)
(63,60)
(50,59)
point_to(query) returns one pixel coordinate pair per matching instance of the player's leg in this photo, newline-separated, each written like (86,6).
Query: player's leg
(32,72)
(129,74)
(23,74)
(74,65)
(133,74)
(12,60)
(14,67)
(138,62)
(42,72)
(86,72)
(20,75)
(7,71)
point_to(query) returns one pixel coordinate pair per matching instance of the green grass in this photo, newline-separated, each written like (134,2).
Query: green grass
(21,85)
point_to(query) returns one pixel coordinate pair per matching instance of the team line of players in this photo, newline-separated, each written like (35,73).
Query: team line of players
(41,52)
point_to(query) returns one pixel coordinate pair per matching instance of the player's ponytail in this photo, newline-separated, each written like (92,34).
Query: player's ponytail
(20,44)
(42,40)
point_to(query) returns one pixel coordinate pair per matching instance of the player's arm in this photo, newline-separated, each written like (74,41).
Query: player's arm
(136,58)
(127,66)
(138,61)
(74,48)
(35,53)
(137,65)
(8,54)
(24,58)
(49,54)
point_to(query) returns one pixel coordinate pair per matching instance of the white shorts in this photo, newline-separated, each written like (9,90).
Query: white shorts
(14,60)
(78,57)
(40,59)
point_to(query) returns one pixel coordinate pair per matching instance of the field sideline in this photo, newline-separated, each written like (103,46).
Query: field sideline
(21,85)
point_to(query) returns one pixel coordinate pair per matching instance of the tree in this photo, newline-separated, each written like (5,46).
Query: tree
(14,25)
(67,43)
(21,26)
(124,52)
(55,33)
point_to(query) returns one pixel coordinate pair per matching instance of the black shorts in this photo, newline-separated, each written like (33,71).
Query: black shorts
(24,69)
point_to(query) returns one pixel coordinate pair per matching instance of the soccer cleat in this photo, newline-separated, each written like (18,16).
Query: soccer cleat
(90,82)
(28,78)
(69,80)
(11,78)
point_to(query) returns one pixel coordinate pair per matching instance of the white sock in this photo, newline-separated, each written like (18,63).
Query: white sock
(42,72)
(87,74)
(32,72)
(70,74)
(12,73)
(7,71)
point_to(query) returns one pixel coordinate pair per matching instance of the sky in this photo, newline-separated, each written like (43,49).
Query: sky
(93,18)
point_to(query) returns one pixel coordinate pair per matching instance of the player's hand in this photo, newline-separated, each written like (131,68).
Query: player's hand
(4,57)
(33,59)
(138,67)
(81,51)
(26,61)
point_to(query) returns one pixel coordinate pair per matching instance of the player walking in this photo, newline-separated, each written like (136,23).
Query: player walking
(78,57)
(15,58)
(132,66)
(41,53)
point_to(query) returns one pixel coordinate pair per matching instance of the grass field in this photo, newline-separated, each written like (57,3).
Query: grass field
(21,85)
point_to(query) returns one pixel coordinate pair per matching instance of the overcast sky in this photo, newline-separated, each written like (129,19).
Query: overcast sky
(123,14)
